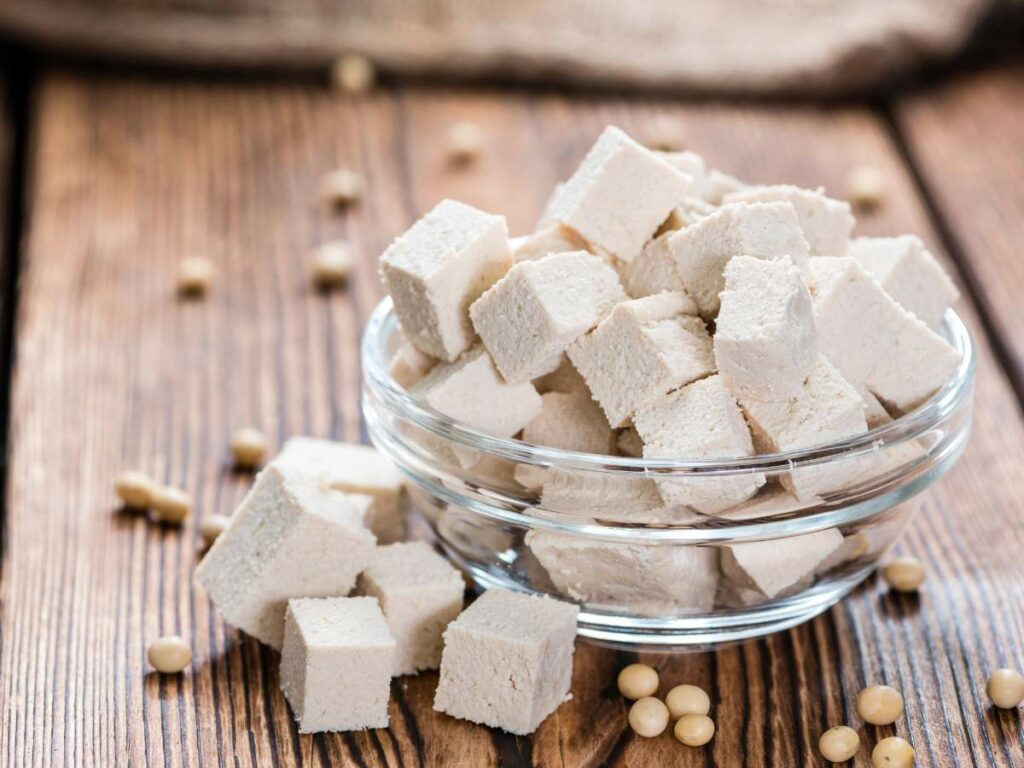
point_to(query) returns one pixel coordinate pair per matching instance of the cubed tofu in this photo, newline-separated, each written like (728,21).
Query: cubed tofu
(438,268)
(528,318)
(642,350)
(420,593)
(553,238)
(291,537)
(619,195)
(702,250)
(827,409)
(507,661)
(765,343)
(909,273)
(689,211)
(653,271)
(875,343)
(699,421)
(826,223)
(336,664)
(565,378)
(717,185)
(611,499)
(469,389)
(352,468)
(645,579)
(572,422)
(409,365)
(774,565)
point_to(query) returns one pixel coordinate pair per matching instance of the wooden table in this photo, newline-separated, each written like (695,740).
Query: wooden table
(123,177)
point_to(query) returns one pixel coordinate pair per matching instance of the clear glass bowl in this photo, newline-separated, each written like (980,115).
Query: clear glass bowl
(595,529)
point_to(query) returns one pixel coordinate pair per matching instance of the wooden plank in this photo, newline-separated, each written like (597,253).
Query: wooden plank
(114,371)
(966,139)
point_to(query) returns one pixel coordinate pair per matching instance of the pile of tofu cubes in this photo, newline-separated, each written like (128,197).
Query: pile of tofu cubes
(664,310)
(313,565)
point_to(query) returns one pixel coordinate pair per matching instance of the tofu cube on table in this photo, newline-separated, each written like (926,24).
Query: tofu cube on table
(291,537)
(699,421)
(619,195)
(507,660)
(875,343)
(353,468)
(909,273)
(571,421)
(765,342)
(438,268)
(702,250)
(643,349)
(528,318)
(420,593)
(336,664)
(826,223)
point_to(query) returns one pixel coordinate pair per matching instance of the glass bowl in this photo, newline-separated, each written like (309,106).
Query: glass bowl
(596,530)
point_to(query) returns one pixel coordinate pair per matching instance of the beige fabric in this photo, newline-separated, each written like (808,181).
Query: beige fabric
(702,45)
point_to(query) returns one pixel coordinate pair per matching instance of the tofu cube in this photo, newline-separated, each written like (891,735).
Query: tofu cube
(765,343)
(420,593)
(764,230)
(775,565)
(625,499)
(336,664)
(507,661)
(565,378)
(438,268)
(291,537)
(699,421)
(469,390)
(572,422)
(648,580)
(528,318)
(643,349)
(717,185)
(827,409)
(352,468)
(553,238)
(875,343)
(689,211)
(409,365)
(619,195)
(909,273)
(653,271)
(826,223)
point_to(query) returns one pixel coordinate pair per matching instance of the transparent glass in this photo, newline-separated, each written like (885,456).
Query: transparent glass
(616,535)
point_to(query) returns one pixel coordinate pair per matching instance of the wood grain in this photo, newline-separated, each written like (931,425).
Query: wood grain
(966,139)
(114,371)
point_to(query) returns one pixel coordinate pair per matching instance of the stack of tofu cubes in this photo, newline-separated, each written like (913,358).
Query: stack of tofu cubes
(665,310)
(313,565)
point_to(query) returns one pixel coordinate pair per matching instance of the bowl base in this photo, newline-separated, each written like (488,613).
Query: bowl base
(696,632)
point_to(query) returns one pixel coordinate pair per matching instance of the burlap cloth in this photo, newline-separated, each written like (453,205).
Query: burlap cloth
(754,46)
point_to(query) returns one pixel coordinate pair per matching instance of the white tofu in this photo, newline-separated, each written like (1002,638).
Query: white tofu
(336,664)
(507,661)
(772,500)
(717,185)
(826,223)
(291,537)
(702,250)
(875,343)
(565,378)
(653,271)
(528,318)
(688,163)
(649,580)
(611,499)
(643,349)
(420,593)
(409,365)
(469,390)
(909,273)
(572,422)
(773,565)
(699,421)
(438,268)
(827,409)
(619,195)
(765,343)
(351,468)
(553,238)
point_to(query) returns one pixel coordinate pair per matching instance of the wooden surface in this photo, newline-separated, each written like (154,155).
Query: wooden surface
(113,371)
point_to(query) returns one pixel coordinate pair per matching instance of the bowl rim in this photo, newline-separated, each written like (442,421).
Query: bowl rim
(908,427)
